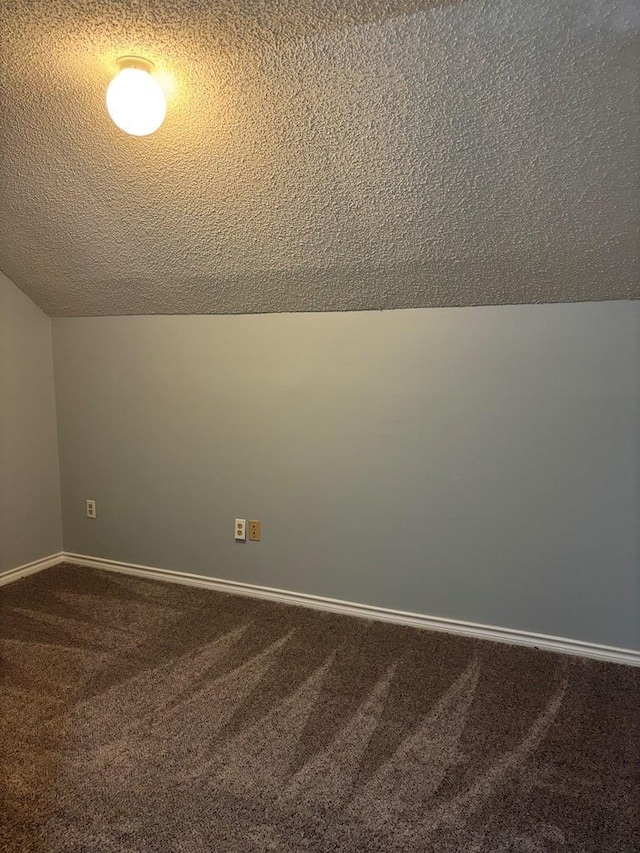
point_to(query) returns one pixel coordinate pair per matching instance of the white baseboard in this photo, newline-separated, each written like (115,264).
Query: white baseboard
(31,568)
(367,611)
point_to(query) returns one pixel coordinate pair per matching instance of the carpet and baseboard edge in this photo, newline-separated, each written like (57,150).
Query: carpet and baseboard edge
(399,617)
(31,568)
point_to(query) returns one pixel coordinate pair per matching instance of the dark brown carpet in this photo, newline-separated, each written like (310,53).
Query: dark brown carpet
(142,716)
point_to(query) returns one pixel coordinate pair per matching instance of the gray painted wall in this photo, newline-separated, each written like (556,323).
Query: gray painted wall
(477,463)
(30,518)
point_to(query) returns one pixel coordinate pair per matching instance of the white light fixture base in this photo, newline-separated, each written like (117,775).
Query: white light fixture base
(135,62)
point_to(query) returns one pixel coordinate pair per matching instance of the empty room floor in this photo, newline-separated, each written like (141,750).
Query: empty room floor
(146,716)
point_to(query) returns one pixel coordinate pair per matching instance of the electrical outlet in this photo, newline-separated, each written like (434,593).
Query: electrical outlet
(254,531)
(91,509)
(241,529)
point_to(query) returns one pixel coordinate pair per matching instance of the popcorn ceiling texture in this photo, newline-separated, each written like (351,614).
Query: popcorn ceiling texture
(321,156)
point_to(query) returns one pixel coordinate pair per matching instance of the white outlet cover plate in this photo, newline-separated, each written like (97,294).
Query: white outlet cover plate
(241,529)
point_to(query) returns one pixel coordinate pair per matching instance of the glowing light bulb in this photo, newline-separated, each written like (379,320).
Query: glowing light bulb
(135,100)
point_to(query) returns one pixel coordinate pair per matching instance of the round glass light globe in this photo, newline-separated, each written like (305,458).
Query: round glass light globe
(136,102)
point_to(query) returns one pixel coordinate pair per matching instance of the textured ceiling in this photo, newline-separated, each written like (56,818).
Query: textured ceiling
(321,155)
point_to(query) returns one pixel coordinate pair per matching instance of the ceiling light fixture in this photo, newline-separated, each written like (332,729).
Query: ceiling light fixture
(135,100)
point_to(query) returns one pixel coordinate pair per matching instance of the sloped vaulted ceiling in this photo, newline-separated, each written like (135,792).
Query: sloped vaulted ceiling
(321,155)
